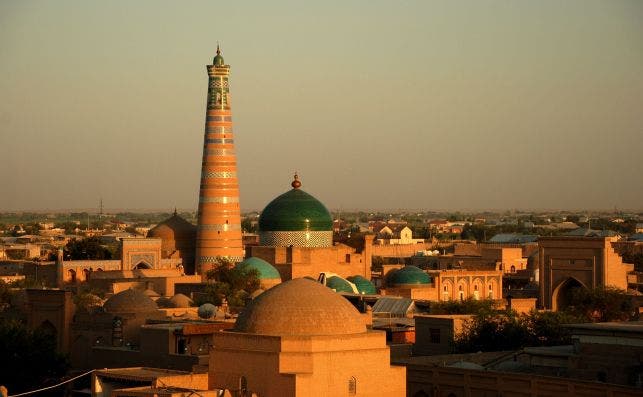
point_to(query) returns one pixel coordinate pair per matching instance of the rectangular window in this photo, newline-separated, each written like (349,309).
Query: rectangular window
(434,335)
(348,258)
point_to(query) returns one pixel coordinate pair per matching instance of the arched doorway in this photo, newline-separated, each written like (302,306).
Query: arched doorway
(562,296)
(47,328)
(142,265)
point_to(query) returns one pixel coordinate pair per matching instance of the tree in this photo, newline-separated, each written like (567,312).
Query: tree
(233,283)
(29,358)
(484,308)
(88,248)
(510,331)
(601,304)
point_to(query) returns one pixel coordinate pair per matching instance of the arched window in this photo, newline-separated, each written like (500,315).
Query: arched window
(352,386)
(72,275)
(461,292)
(490,291)
(513,269)
(87,274)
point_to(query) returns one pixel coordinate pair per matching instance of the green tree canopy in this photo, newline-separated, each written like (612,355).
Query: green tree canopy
(88,248)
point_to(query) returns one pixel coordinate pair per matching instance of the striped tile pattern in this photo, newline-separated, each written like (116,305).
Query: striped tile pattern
(219,222)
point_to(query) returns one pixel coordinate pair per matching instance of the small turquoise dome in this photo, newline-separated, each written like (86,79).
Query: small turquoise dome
(265,269)
(409,275)
(339,284)
(363,285)
(295,210)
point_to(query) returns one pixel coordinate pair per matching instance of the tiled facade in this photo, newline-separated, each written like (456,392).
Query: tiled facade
(219,220)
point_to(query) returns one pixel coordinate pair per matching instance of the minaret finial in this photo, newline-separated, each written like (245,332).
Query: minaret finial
(296,184)
(218,49)
(175,211)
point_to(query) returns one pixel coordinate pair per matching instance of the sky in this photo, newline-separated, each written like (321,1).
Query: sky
(432,105)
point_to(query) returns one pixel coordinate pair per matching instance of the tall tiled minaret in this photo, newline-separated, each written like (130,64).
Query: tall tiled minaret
(219,222)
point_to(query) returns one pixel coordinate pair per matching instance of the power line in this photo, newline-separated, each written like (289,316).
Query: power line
(52,387)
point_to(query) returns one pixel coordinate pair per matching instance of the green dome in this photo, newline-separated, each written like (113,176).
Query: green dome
(265,269)
(295,210)
(363,285)
(409,275)
(218,59)
(339,284)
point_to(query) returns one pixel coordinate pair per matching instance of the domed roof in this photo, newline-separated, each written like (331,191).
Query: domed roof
(265,269)
(218,59)
(164,302)
(363,285)
(151,293)
(130,301)
(339,284)
(173,228)
(180,300)
(295,210)
(409,275)
(207,310)
(300,307)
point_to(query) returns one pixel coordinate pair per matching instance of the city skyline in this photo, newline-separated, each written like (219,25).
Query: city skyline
(483,105)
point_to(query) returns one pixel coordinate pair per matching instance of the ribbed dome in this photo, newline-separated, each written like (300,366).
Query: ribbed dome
(173,228)
(363,285)
(339,284)
(409,275)
(265,269)
(130,301)
(295,210)
(300,307)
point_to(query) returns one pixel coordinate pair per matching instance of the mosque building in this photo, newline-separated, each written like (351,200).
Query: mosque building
(219,219)
(296,237)
(301,339)
(177,240)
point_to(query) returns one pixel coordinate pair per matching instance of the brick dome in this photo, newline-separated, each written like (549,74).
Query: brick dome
(180,300)
(130,301)
(173,228)
(300,307)
(178,238)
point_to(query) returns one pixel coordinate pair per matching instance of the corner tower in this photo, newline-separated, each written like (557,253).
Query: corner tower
(219,219)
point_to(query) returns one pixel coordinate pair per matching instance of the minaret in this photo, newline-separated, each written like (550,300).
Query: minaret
(219,219)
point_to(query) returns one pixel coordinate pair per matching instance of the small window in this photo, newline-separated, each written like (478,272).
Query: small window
(513,269)
(434,335)
(352,386)
(348,258)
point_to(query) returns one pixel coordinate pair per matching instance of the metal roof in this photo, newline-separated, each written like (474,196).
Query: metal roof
(397,307)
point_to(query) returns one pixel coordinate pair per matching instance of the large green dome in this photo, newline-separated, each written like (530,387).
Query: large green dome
(265,269)
(295,210)
(409,275)
(295,219)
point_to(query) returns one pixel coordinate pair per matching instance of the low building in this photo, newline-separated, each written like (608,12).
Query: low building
(436,334)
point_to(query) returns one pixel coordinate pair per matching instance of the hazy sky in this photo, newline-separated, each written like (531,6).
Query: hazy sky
(377,104)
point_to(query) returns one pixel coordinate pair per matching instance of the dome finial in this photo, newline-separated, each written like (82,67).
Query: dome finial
(218,49)
(296,184)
